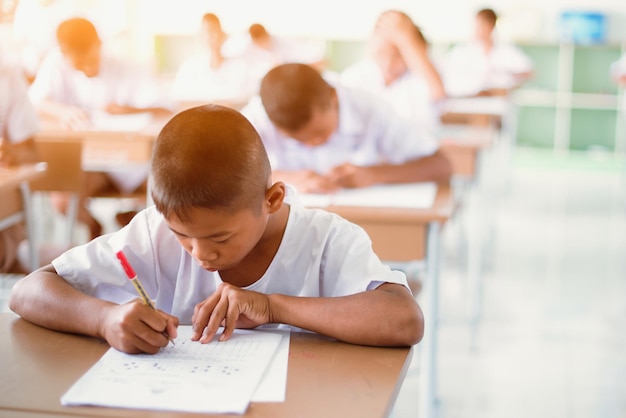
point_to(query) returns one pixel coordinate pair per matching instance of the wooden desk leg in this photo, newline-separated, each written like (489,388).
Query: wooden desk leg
(30,225)
(428,347)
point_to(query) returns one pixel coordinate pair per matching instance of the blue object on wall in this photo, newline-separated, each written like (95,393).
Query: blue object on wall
(583,27)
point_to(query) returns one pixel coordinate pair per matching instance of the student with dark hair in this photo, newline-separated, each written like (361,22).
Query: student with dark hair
(222,246)
(321,137)
(79,81)
(485,65)
(398,68)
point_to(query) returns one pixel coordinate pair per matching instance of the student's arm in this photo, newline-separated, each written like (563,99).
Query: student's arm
(386,316)
(20,153)
(157,112)
(399,28)
(306,181)
(70,117)
(435,167)
(46,299)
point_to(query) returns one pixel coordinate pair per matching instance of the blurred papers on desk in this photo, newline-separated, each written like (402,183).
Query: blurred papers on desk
(408,195)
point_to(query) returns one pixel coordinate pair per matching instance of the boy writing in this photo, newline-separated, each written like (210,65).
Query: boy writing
(222,246)
(320,138)
(79,80)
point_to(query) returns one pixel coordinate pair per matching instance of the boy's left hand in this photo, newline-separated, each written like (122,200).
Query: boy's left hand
(351,176)
(231,307)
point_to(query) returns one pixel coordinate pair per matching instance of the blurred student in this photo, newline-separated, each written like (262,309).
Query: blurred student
(211,74)
(266,50)
(400,70)
(484,65)
(18,126)
(320,138)
(222,246)
(35,23)
(79,81)
(618,71)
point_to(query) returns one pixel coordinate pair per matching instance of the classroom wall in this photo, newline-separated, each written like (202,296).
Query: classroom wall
(444,20)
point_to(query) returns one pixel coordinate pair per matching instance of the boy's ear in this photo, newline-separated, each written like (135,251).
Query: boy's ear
(274,196)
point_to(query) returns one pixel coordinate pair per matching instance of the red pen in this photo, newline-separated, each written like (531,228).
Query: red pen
(132,276)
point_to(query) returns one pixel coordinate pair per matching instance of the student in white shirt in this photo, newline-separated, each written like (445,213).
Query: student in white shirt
(18,126)
(212,75)
(484,65)
(400,70)
(618,71)
(320,138)
(77,82)
(221,246)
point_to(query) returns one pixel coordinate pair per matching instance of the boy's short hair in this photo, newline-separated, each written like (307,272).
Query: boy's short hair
(208,157)
(488,15)
(77,35)
(257,31)
(289,93)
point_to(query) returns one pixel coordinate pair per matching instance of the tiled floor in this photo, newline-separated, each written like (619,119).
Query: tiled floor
(552,339)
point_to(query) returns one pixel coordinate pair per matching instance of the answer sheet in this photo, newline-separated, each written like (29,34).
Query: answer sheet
(406,195)
(217,377)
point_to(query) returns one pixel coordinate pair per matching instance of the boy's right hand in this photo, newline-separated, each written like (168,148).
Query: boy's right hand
(73,118)
(135,327)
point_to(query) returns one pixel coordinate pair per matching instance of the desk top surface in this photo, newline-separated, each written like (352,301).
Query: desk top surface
(14,175)
(441,210)
(325,378)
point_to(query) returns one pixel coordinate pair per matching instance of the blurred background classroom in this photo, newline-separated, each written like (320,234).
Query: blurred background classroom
(550,339)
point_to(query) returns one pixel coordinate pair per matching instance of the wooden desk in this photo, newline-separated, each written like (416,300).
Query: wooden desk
(15,205)
(106,149)
(463,145)
(325,378)
(407,235)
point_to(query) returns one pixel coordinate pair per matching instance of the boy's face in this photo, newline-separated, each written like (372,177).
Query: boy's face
(388,58)
(213,36)
(219,239)
(87,61)
(483,29)
(323,123)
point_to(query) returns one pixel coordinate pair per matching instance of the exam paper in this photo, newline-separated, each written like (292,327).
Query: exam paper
(217,377)
(134,122)
(406,195)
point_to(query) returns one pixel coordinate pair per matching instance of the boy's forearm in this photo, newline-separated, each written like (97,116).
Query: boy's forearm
(435,167)
(46,299)
(419,63)
(378,317)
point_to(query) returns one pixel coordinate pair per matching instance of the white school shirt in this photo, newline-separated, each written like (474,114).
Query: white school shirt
(18,118)
(117,82)
(320,255)
(467,70)
(409,94)
(618,68)
(369,133)
(196,81)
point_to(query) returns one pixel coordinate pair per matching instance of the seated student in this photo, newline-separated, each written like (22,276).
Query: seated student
(18,126)
(211,75)
(400,70)
(222,245)
(618,71)
(484,65)
(79,80)
(266,50)
(321,138)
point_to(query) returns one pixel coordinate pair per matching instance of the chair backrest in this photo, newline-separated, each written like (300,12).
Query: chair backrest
(64,157)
